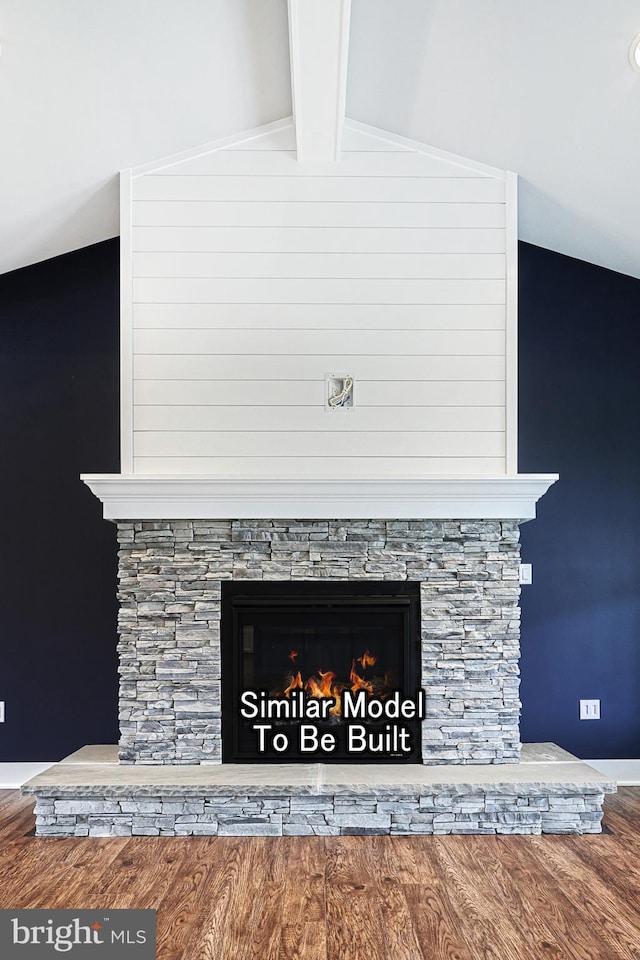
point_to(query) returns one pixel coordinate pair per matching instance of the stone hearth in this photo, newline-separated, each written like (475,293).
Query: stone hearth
(90,794)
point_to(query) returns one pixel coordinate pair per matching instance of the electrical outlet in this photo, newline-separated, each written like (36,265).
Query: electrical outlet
(526,573)
(589,709)
(1,711)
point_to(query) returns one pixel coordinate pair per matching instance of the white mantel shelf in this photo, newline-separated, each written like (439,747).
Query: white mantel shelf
(138,497)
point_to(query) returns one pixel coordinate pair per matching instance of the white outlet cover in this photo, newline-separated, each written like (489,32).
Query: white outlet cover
(526,573)
(589,709)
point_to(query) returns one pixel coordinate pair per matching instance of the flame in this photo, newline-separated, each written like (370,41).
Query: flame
(367,660)
(324,684)
(336,709)
(322,689)
(296,684)
(357,682)
(326,688)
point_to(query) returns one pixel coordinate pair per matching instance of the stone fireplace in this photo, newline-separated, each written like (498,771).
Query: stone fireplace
(171,576)
(176,771)
(318,322)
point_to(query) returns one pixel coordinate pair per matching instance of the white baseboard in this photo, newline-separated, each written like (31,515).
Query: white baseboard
(626,773)
(13,775)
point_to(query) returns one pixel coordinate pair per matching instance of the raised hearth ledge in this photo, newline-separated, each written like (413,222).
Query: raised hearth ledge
(137,497)
(97,765)
(90,794)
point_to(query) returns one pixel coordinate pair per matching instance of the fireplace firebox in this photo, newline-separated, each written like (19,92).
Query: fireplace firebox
(321,672)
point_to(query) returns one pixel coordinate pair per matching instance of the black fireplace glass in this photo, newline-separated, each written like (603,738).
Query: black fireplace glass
(325,642)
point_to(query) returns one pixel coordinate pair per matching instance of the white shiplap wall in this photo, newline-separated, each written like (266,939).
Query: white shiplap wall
(248,277)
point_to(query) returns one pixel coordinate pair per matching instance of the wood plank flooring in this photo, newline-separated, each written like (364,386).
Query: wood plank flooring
(349,898)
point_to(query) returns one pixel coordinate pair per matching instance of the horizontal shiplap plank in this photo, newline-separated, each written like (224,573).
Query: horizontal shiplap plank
(319,316)
(317,419)
(212,443)
(312,342)
(147,367)
(284,163)
(321,189)
(393,393)
(402,266)
(298,290)
(320,466)
(356,215)
(318,240)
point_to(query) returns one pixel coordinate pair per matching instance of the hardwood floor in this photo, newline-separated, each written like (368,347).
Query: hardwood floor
(349,898)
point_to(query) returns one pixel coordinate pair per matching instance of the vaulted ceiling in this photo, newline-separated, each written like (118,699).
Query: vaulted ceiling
(545,89)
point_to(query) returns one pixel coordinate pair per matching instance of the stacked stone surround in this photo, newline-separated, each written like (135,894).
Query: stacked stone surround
(170,575)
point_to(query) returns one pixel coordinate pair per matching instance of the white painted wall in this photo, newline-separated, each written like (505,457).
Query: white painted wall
(543,88)
(90,88)
(248,277)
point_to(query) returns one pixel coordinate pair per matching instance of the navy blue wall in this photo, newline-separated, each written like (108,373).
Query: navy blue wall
(579,409)
(60,417)
(580,397)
